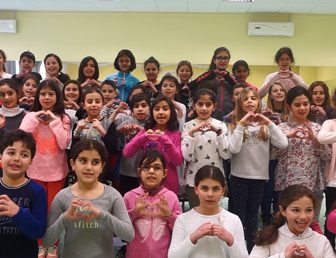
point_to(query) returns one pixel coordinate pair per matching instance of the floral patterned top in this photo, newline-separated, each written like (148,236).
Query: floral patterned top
(301,161)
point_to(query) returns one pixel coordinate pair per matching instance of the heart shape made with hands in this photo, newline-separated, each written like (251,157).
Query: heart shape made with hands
(299,253)
(153,135)
(205,127)
(284,74)
(30,100)
(45,117)
(301,133)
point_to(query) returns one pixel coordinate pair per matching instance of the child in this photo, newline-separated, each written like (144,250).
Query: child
(29,87)
(152,209)
(170,88)
(50,127)
(241,71)
(250,138)
(229,118)
(89,213)
(88,73)
(125,64)
(284,58)
(3,59)
(319,93)
(53,67)
(289,235)
(23,204)
(152,70)
(204,141)
(110,94)
(184,72)
(10,110)
(208,230)
(161,133)
(129,126)
(26,63)
(299,163)
(221,80)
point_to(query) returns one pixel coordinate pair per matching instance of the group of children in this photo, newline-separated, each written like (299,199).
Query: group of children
(133,135)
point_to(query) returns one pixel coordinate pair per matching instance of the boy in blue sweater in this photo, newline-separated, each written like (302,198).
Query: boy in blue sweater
(23,203)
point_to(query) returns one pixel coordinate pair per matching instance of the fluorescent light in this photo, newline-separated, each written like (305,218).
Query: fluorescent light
(242,1)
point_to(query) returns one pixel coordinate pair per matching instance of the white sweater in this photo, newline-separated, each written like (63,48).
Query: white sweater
(318,244)
(208,246)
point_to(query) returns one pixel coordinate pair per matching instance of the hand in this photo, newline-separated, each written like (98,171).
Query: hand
(122,107)
(81,125)
(2,120)
(26,100)
(149,85)
(311,134)
(163,208)
(297,132)
(70,104)
(263,120)
(317,109)
(7,206)
(153,135)
(204,230)
(297,251)
(142,207)
(222,234)
(95,82)
(87,82)
(96,124)
(81,210)
(51,115)
(44,116)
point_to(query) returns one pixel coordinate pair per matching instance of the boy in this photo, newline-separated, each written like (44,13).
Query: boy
(23,202)
(26,63)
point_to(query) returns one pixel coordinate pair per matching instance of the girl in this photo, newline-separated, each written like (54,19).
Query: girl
(29,87)
(236,91)
(327,135)
(125,64)
(204,140)
(208,230)
(161,133)
(284,58)
(289,235)
(53,66)
(110,94)
(277,112)
(88,73)
(300,162)
(319,93)
(184,72)
(241,71)
(3,74)
(10,110)
(169,88)
(152,70)
(220,79)
(152,209)
(50,127)
(250,137)
(89,213)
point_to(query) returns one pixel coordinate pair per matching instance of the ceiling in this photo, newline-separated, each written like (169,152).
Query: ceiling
(182,6)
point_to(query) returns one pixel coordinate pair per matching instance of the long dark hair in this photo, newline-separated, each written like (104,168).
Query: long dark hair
(269,234)
(220,49)
(83,63)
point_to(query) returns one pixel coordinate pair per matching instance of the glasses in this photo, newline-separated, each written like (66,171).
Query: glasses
(223,58)
(156,168)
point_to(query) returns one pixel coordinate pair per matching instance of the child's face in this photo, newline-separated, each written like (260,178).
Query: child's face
(52,67)
(93,103)
(209,192)
(284,62)
(222,60)
(169,89)
(8,96)
(277,93)
(161,114)
(124,64)
(299,215)
(250,103)
(204,107)
(151,72)
(235,94)
(141,110)
(29,88)
(15,160)
(47,99)
(184,73)
(87,166)
(2,61)
(300,108)
(108,92)
(71,92)
(26,65)
(241,73)
(318,95)
(89,69)
(152,175)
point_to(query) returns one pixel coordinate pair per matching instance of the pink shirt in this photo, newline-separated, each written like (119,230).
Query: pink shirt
(50,163)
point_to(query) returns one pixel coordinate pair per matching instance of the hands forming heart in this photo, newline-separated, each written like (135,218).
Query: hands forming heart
(153,135)
(251,118)
(45,116)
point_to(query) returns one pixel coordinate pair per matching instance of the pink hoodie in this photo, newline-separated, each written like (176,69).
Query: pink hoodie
(152,233)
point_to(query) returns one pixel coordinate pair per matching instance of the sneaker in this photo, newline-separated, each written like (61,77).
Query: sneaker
(52,252)
(42,252)
(316,227)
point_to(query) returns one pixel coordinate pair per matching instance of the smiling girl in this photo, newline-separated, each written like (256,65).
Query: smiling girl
(53,66)
(88,73)
(319,93)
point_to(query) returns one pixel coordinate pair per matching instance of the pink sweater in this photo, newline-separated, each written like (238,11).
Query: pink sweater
(50,163)
(169,144)
(152,234)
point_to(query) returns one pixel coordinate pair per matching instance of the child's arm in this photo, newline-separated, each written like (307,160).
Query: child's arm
(61,129)
(29,122)
(235,139)
(270,79)
(222,141)
(32,221)
(277,137)
(172,145)
(327,134)
(298,80)
(135,144)
(188,141)
(176,210)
